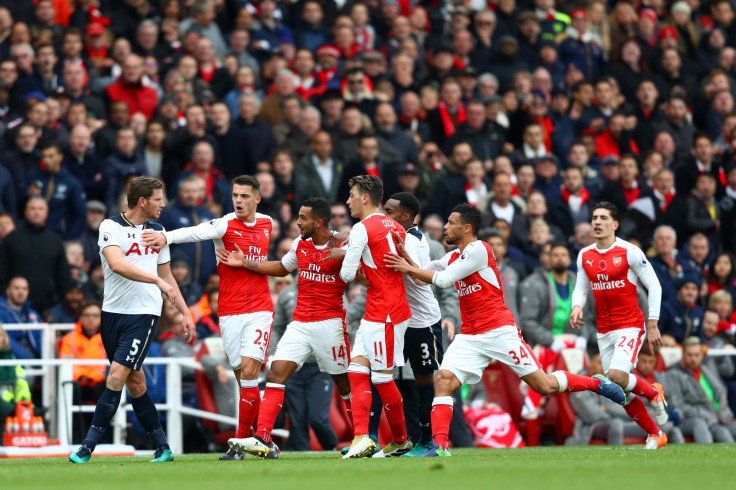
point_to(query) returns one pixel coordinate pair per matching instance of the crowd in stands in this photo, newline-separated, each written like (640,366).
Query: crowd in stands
(531,110)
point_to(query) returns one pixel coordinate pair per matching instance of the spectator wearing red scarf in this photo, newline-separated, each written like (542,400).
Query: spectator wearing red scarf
(628,188)
(573,205)
(450,112)
(217,188)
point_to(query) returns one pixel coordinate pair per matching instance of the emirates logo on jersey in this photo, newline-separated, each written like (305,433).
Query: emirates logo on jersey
(617,261)
(254,237)
(602,265)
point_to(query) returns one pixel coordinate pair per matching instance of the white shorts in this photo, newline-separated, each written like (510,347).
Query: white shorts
(326,339)
(381,343)
(619,349)
(469,355)
(246,335)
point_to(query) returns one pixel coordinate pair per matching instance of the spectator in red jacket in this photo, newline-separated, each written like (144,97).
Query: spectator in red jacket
(130,89)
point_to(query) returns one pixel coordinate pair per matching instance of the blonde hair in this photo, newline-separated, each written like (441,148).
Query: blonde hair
(719,296)
(604,29)
(538,223)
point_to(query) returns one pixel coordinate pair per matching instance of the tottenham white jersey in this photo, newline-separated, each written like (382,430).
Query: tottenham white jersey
(123,295)
(425,311)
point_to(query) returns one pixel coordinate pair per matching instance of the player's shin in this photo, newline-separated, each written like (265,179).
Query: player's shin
(392,403)
(636,409)
(145,411)
(105,410)
(441,417)
(347,399)
(640,387)
(360,383)
(426,395)
(575,382)
(273,401)
(250,402)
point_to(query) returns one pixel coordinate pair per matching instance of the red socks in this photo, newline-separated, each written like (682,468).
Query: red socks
(250,402)
(575,382)
(360,403)
(642,388)
(393,406)
(441,417)
(639,414)
(273,401)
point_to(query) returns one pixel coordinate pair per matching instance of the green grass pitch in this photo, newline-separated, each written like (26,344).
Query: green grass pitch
(591,468)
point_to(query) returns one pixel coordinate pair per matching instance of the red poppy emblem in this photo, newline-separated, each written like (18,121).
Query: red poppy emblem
(317,257)
(602,265)
(254,237)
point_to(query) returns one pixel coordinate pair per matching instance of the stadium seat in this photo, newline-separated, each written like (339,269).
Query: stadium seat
(502,387)
(572,360)
(669,356)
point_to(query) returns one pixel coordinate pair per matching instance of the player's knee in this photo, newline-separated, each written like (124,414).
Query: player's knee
(276,375)
(443,383)
(115,383)
(250,369)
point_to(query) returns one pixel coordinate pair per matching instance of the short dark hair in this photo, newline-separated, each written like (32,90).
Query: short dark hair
(487,233)
(368,184)
(469,215)
(354,71)
(142,187)
(609,206)
(51,144)
(88,304)
(704,175)
(320,208)
(558,244)
(700,135)
(408,203)
(248,180)
(366,136)
(579,85)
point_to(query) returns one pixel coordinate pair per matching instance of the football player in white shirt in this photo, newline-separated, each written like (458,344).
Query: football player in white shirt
(423,338)
(135,276)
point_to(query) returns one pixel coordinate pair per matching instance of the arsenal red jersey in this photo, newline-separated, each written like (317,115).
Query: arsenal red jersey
(369,241)
(320,289)
(478,282)
(612,275)
(241,291)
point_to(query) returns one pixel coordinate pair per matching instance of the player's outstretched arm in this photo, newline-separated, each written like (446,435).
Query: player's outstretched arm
(237,259)
(215,228)
(164,272)
(402,265)
(114,257)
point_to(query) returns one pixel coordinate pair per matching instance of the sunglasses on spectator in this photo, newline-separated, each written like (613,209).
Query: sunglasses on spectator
(355,81)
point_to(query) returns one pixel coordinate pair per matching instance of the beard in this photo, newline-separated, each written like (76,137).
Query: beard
(558,269)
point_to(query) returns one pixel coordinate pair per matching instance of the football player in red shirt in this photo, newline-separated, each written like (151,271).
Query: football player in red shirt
(611,267)
(379,342)
(318,324)
(488,329)
(245,306)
